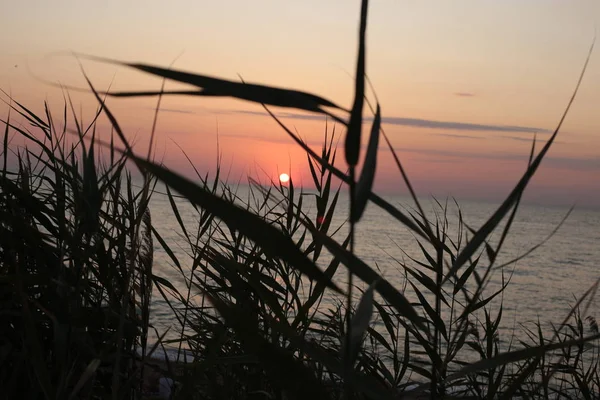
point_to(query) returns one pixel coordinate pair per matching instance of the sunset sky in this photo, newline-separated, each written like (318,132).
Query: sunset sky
(463,85)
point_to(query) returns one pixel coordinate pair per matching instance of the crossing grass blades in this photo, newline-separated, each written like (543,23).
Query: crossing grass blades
(288,309)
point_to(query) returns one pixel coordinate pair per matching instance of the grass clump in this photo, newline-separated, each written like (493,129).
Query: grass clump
(288,309)
(75,265)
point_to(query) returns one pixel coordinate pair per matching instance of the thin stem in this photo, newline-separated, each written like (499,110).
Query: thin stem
(435,368)
(347,355)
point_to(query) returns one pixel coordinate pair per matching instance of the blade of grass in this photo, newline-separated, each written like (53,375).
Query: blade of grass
(90,370)
(360,321)
(516,193)
(353,135)
(517,355)
(365,182)
(368,275)
(272,240)
(211,86)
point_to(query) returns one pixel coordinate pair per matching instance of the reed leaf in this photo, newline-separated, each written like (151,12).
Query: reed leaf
(518,190)
(517,355)
(368,275)
(272,240)
(360,322)
(365,182)
(210,86)
(353,134)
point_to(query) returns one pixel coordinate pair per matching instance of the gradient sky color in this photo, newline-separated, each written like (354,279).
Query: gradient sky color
(463,85)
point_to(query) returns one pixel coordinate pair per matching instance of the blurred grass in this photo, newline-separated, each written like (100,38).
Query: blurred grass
(274,318)
(76,266)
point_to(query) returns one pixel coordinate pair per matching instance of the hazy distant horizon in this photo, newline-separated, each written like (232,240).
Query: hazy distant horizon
(402,195)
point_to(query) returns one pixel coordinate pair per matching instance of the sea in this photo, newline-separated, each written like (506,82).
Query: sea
(541,287)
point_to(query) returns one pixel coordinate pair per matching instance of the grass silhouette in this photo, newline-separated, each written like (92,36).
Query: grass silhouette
(76,274)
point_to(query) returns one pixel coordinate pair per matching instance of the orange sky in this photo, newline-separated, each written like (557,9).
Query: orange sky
(450,76)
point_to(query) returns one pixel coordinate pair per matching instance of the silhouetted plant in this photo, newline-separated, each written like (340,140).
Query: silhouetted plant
(75,281)
(276,318)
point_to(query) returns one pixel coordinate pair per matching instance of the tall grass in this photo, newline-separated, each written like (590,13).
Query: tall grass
(76,263)
(276,318)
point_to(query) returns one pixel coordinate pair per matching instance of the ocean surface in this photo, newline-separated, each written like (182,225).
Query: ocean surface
(543,286)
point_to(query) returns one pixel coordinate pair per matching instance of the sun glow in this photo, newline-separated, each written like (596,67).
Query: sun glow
(284,178)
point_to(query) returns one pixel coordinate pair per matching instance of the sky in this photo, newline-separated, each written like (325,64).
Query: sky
(463,85)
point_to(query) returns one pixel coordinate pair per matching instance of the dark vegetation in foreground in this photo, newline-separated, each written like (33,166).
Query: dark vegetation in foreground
(76,277)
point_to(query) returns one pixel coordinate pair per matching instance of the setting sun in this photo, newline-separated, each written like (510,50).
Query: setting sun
(284,178)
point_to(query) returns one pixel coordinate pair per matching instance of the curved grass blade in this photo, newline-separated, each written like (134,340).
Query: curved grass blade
(103,107)
(434,317)
(425,225)
(518,355)
(360,321)
(365,182)
(272,240)
(25,112)
(319,289)
(521,377)
(25,134)
(487,228)
(5,145)
(367,274)
(211,86)
(90,370)
(425,222)
(540,243)
(355,124)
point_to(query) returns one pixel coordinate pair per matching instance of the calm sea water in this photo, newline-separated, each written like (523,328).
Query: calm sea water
(543,286)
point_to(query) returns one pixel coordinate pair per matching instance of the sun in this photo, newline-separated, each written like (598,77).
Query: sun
(284,178)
